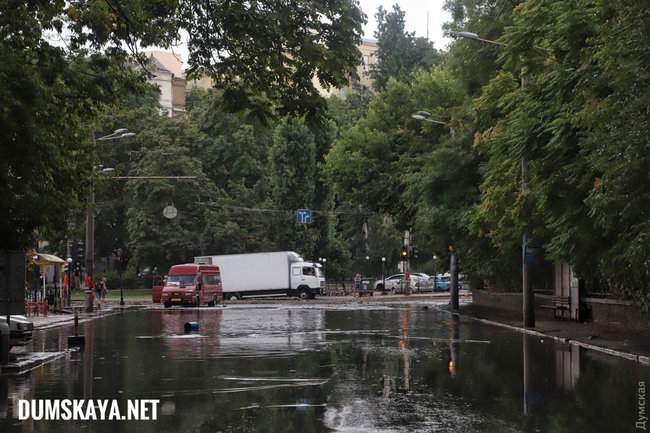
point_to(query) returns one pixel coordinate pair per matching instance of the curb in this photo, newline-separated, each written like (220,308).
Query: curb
(82,319)
(641,359)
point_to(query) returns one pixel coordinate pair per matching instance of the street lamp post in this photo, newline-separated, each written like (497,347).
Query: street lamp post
(120,265)
(528,306)
(425,116)
(383,274)
(69,288)
(433,271)
(90,214)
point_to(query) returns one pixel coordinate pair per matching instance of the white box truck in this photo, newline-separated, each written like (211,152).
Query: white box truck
(282,273)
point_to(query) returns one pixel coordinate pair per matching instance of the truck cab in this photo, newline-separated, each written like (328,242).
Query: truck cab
(192,285)
(307,279)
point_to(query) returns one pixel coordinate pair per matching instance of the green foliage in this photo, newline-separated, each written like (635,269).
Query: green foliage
(293,183)
(264,55)
(153,239)
(399,52)
(473,63)
(576,121)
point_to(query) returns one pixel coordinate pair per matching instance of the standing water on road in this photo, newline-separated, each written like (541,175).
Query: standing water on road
(323,368)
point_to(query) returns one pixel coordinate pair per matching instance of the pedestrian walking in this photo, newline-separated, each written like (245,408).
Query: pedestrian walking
(357,283)
(100,291)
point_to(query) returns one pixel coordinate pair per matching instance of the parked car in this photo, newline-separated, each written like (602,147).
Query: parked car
(442,283)
(423,282)
(395,283)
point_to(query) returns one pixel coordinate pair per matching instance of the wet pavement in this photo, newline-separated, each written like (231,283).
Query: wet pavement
(318,368)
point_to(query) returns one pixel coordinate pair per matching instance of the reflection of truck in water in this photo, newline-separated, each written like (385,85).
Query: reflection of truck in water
(192,285)
(282,273)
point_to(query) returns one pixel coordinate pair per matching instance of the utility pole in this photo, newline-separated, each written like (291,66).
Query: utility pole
(527,290)
(89,259)
(528,296)
(90,214)
(425,116)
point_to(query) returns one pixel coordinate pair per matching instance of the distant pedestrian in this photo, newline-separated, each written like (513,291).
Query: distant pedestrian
(100,291)
(104,287)
(357,282)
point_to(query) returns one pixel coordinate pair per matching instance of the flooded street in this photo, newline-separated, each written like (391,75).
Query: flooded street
(317,368)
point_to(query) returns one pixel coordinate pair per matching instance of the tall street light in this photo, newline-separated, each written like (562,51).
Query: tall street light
(528,306)
(383,275)
(90,213)
(425,116)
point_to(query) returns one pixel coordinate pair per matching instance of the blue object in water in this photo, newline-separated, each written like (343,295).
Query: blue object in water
(191,326)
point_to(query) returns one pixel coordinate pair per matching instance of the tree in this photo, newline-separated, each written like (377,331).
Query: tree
(263,54)
(153,239)
(293,184)
(399,52)
(345,112)
(475,64)
(577,122)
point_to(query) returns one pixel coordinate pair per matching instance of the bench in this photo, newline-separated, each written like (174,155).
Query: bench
(560,305)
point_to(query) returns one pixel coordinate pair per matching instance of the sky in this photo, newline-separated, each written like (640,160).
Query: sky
(416,17)
(416,20)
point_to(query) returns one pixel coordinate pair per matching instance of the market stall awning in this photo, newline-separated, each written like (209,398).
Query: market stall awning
(47,259)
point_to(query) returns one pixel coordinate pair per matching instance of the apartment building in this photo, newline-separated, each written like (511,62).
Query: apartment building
(167,71)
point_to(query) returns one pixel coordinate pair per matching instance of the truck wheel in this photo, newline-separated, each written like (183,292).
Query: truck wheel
(167,304)
(303,294)
(234,297)
(213,302)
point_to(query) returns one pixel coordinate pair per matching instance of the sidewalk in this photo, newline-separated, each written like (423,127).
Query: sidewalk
(609,339)
(61,319)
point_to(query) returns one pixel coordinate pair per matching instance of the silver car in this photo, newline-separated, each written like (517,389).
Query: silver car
(395,283)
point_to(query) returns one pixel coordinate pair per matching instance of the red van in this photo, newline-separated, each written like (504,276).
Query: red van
(192,285)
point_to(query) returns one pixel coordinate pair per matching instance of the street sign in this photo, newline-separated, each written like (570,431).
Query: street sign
(531,253)
(170,212)
(303,216)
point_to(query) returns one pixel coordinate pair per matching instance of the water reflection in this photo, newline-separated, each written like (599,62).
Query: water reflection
(317,369)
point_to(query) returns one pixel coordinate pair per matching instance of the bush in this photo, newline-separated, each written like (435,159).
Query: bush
(129,279)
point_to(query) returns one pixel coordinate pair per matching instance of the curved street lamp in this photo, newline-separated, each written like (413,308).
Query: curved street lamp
(90,215)
(528,296)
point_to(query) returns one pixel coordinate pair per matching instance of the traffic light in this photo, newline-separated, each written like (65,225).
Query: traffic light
(404,254)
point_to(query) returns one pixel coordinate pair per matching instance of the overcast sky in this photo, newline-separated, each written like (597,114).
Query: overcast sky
(416,20)
(416,17)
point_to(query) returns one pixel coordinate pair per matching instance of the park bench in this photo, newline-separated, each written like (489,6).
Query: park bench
(560,305)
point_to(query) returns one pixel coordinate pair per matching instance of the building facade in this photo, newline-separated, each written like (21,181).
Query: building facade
(167,74)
